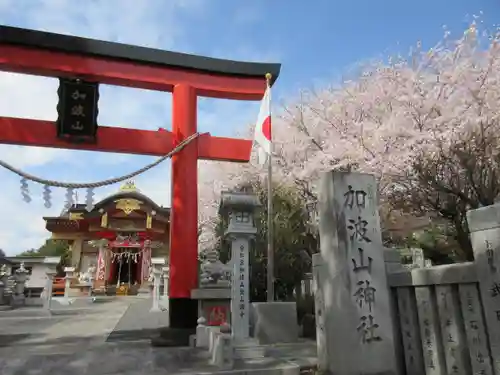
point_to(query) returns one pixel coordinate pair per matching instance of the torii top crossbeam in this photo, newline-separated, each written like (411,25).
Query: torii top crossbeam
(186,76)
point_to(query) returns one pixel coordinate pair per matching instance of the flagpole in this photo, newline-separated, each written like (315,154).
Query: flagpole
(270,215)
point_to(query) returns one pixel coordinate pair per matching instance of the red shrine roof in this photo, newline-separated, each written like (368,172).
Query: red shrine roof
(126,210)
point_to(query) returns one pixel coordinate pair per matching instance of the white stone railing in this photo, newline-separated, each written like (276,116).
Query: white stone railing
(373,316)
(447,318)
(439,320)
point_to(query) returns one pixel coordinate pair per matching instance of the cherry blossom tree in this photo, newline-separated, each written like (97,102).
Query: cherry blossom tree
(380,122)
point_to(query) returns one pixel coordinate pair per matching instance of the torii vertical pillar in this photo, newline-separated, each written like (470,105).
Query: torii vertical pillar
(184,212)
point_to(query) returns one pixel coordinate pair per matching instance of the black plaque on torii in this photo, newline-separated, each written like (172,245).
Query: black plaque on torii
(77,110)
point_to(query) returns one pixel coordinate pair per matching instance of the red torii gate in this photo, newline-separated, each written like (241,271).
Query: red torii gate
(187,77)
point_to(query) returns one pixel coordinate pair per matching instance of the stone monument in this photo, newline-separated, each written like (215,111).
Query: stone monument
(353,304)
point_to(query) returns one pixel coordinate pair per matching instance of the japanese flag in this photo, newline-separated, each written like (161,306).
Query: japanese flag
(262,137)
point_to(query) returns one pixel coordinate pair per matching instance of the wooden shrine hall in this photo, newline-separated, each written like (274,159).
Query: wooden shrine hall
(118,238)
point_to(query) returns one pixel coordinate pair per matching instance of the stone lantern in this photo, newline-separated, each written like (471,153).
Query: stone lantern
(239,209)
(20,277)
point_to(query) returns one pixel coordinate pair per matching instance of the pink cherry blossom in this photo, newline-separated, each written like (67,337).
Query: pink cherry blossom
(376,122)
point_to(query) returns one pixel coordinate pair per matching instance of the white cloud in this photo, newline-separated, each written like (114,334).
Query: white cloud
(22,223)
(148,23)
(153,23)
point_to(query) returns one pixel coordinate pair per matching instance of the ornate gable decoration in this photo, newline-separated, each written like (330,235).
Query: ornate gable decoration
(128,205)
(76,216)
(128,187)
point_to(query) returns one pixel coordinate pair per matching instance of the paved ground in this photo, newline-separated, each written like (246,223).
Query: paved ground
(138,322)
(110,339)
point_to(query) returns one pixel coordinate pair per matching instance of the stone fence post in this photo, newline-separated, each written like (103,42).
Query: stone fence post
(70,273)
(484,227)
(157,274)
(49,282)
(165,273)
(50,272)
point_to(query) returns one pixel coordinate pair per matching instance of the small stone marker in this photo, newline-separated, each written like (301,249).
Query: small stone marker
(484,227)
(359,330)
(202,333)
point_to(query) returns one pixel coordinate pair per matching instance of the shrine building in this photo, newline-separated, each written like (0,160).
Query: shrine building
(118,237)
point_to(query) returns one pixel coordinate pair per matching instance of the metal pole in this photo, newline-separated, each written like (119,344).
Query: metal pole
(270,218)
(270,233)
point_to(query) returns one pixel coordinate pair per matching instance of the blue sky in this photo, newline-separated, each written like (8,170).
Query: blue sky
(315,40)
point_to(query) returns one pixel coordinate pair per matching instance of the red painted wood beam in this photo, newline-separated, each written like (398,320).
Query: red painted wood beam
(224,149)
(26,132)
(123,73)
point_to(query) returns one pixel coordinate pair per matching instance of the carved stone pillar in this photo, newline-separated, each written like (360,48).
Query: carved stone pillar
(240,208)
